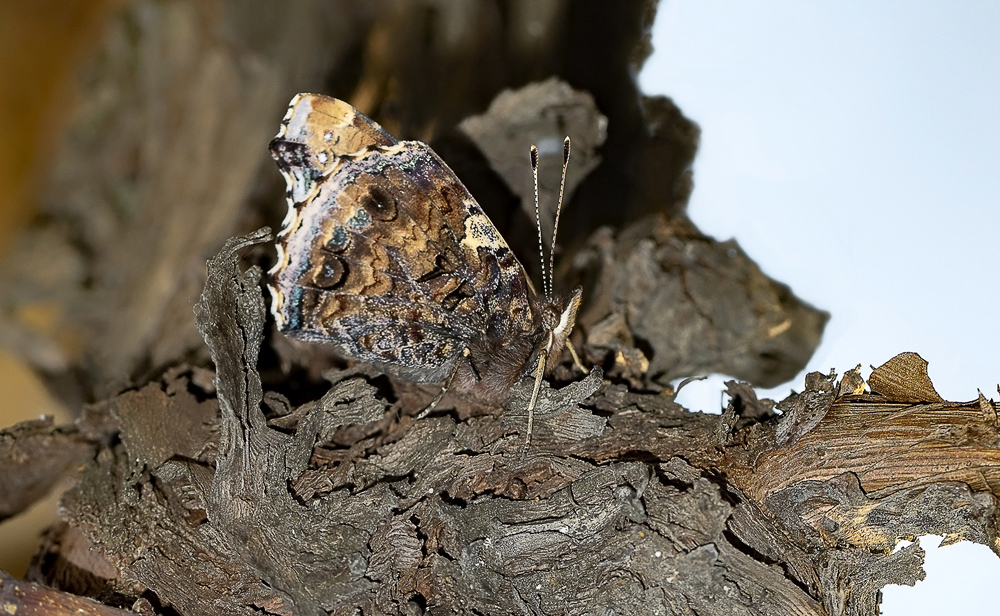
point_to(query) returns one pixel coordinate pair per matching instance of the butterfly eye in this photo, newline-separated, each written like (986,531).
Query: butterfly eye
(550,317)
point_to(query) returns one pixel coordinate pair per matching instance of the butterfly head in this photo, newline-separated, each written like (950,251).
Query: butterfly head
(558,318)
(559,313)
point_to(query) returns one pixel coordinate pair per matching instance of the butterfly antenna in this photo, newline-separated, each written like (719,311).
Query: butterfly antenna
(555,226)
(538,221)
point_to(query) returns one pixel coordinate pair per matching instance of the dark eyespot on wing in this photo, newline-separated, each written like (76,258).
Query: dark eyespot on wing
(333,272)
(380,204)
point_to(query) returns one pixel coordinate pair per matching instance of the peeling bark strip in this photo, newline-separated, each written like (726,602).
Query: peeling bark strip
(26,599)
(34,457)
(628,504)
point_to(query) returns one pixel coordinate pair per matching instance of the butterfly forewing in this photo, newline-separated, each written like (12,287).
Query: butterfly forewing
(387,256)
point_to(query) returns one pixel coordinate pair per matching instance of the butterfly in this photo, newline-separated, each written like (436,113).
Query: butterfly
(386,256)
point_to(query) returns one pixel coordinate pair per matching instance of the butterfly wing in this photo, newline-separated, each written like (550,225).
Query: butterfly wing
(315,132)
(385,254)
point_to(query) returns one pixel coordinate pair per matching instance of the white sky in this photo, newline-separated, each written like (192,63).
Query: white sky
(853,150)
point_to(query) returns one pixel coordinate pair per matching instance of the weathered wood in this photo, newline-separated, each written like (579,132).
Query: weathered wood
(27,599)
(625,501)
(243,473)
(34,457)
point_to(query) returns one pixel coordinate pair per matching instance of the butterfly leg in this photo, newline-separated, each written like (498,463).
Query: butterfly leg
(539,374)
(444,390)
(576,358)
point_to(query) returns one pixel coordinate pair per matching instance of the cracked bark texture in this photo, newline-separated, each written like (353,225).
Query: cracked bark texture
(626,503)
(222,469)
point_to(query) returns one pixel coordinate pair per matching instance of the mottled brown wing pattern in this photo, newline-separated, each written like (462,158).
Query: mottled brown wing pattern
(386,255)
(314,134)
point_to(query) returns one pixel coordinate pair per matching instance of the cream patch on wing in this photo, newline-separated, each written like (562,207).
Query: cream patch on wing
(480,232)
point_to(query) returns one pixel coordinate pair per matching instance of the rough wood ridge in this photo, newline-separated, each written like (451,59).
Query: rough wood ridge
(626,503)
(219,468)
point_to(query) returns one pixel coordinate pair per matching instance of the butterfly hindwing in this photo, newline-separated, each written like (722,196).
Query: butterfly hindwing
(385,254)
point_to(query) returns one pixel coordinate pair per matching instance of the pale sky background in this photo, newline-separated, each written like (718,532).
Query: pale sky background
(853,150)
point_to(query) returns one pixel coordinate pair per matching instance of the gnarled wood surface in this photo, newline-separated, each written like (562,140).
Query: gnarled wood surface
(221,469)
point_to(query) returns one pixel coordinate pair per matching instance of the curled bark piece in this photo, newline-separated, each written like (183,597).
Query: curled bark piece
(690,305)
(904,378)
(34,456)
(27,599)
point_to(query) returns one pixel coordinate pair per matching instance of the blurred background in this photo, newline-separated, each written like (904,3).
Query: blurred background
(42,46)
(850,148)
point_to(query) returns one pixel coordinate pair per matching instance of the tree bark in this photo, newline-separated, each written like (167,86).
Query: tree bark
(220,468)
